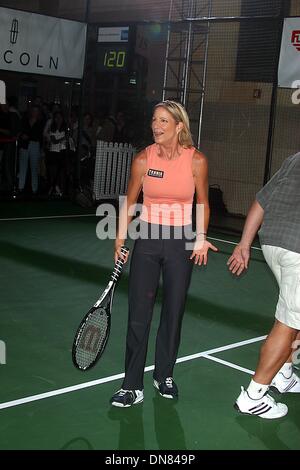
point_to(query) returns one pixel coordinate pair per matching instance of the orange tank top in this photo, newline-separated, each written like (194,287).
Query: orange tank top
(168,188)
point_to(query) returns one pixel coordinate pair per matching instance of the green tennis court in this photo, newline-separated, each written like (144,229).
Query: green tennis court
(53,268)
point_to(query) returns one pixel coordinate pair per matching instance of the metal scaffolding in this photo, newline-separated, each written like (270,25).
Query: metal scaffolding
(186,57)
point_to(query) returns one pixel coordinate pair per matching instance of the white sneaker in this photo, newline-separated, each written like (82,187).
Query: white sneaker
(125,398)
(283,385)
(265,407)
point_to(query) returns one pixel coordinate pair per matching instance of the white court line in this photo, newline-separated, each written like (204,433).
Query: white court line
(95,215)
(231,243)
(92,383)
(48,217)
(228,364)
(222,348)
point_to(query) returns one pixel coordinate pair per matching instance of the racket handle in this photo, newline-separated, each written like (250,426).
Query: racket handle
(119,265)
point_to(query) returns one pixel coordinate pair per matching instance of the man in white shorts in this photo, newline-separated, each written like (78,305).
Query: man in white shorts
(276,211)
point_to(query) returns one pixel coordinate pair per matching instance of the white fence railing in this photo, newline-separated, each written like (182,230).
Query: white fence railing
(112,169)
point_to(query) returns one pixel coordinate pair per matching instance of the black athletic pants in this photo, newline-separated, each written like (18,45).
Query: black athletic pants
(150,257)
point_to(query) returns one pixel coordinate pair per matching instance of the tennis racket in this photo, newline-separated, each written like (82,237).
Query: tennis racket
(93,332)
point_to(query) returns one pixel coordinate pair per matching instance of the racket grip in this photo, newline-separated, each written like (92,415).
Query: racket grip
(119,265)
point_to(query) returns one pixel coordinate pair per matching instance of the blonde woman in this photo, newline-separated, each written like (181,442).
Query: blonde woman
(169,172)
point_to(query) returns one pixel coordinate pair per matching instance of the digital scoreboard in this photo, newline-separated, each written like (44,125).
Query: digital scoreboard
(112,58)
(113,49)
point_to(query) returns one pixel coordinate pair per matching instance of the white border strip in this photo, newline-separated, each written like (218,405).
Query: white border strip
(73,388)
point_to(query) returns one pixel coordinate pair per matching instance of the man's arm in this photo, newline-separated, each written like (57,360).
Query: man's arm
(239,259)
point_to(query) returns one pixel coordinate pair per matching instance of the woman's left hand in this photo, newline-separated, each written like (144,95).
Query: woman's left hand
(200,252)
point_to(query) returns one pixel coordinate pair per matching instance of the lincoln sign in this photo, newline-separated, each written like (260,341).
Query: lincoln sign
(41,44)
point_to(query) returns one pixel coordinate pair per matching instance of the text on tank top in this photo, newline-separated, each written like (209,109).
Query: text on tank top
(168,188)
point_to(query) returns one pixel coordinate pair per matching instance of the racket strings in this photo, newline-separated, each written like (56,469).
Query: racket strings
(92,335)
(92,338)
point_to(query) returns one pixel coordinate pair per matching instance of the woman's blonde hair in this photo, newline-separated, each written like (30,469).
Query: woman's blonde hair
(180,115)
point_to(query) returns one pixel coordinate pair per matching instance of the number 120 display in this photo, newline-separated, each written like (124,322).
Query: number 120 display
(113,59)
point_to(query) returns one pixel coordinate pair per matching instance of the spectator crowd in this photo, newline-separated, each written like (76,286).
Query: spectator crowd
(40,149)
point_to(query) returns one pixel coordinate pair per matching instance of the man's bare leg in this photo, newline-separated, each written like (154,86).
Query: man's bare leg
(275,351)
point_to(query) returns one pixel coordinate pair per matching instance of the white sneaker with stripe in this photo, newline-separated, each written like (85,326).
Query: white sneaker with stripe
(283,384)
(265,407)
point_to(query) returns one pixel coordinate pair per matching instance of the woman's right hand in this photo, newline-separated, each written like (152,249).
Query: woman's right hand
(118,253)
